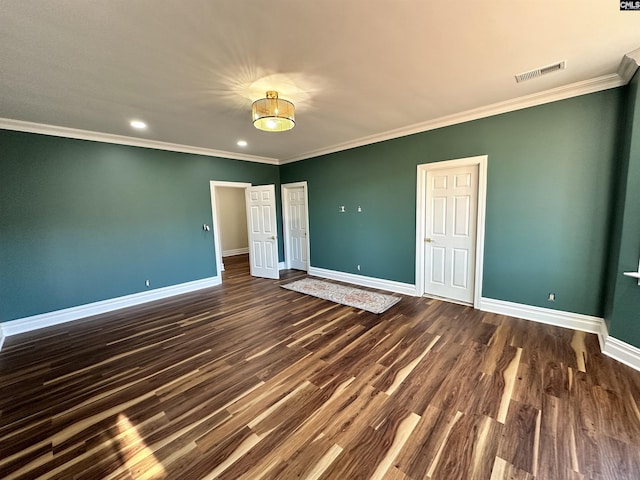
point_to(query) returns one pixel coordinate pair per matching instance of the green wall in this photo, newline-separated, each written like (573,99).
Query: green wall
(622,311)
(84,221)
(550,174)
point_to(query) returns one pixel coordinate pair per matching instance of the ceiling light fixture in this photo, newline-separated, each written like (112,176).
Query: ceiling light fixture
(242,143)
(140,125)
(273,114)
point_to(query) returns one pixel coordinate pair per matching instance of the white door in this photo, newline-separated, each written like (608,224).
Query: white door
(261,226)
(296,225)
(450,232)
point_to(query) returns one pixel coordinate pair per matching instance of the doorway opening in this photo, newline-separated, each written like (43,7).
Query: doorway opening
(236,266)
(261,227)
(450,221)
(230,197)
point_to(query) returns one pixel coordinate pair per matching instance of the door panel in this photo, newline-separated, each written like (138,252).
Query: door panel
(460,268)
(261,219)
(438,255)
(461,212)
(450,236)
(256,250)
(439,216)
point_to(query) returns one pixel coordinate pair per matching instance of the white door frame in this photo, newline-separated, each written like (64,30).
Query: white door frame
(217,243)
(286,220)
(421,209)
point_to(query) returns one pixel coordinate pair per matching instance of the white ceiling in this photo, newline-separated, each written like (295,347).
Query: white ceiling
(355,69)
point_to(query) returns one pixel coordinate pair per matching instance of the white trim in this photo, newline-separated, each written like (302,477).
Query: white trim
(235,251)
(622,352)
(618,350)
(604,82)
(217,242)
(629,65)
(36,322)
(379,283)
(421,188)
(612,347)
(282,266)
(626,70)
(56,131)
(602,335)
(558,318)
(285,220)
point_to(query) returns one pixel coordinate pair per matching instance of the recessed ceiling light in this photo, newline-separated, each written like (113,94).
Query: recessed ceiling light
(140,125)
(242,143)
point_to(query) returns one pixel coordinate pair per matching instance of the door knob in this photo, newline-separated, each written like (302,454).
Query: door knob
(273,237)
(428,240)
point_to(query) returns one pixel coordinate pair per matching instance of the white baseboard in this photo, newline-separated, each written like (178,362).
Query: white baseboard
(235,251)
(559,318)
(603,334)
(612,347)
(619,350)
(35,322)
(379,283)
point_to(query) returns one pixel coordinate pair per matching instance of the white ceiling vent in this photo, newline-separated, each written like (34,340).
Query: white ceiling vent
(538,72)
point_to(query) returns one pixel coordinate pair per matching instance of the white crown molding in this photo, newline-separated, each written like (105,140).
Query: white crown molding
(36,322)
(629,65)
(584,87)
(21,126)
(558,318)
(363,281)
(625,72)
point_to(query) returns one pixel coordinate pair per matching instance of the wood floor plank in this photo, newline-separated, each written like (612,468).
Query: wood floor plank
(470,449)
(370,454)
(426,443)
(251,381)
(520,444)
(502,470)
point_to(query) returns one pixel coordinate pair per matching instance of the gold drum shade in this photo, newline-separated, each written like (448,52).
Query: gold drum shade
(273,114)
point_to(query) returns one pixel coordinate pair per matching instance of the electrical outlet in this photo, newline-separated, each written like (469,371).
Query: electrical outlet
(147,283)
(552,297)
(358,267)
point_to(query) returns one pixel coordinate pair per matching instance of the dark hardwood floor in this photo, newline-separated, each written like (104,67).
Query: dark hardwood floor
(249,380)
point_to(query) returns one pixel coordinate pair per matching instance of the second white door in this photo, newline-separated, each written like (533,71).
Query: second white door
(261,226)
(296,225)
(450,232)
